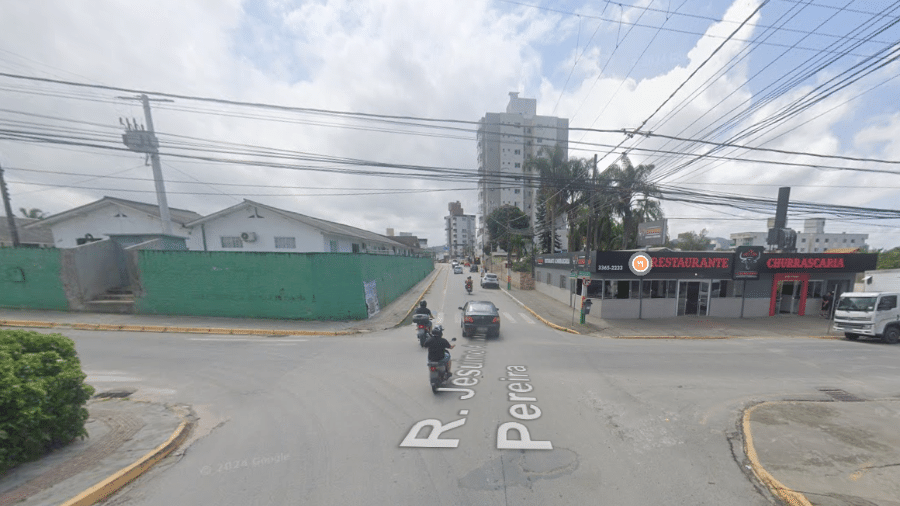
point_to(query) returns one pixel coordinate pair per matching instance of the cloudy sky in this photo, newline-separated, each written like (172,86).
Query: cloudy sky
(806,80)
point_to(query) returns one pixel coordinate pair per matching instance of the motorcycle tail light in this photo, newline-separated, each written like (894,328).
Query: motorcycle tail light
(421,326)
(433,369)
(496,319)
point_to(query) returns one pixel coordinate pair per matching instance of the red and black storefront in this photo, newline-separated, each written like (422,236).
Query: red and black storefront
(748,282)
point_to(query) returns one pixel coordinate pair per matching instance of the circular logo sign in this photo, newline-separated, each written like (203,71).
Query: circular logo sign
(640,264)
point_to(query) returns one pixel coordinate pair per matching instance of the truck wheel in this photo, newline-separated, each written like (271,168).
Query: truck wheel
(891,335)
(852,337)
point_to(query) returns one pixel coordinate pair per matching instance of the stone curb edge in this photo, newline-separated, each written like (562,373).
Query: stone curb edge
(539,317)
(416,303)
(787,495)
(177,330)
(124,476)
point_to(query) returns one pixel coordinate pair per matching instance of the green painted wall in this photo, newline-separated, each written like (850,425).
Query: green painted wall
(306,286)
(31,278)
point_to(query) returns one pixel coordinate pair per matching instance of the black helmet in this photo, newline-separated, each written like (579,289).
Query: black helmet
(437,331)
(423,304)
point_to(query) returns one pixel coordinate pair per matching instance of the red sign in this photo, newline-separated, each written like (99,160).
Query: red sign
(691,262)
(805,263)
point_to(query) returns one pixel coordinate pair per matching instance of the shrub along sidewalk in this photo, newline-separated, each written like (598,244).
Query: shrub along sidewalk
(42,395)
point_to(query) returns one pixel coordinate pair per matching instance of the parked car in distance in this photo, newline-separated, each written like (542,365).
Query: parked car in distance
(480,317)
(457,269)
(490,280)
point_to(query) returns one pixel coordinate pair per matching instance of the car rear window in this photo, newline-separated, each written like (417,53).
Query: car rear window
(490,276)
(481,308)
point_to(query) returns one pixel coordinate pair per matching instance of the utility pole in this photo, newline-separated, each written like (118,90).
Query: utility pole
(145,141)
(508,254)
(10,219)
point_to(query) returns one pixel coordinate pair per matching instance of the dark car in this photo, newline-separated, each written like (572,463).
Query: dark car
(490,281)
(474,268)
(480,317)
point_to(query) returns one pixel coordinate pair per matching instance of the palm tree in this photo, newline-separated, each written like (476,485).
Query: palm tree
(632,191)
(32,213)
(561,183)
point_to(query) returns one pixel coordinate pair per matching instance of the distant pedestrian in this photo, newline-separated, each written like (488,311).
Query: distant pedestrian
(827,299)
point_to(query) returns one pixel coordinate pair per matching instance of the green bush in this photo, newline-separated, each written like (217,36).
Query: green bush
(42,395)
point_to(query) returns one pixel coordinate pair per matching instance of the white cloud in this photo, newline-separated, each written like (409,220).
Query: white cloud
(401,57)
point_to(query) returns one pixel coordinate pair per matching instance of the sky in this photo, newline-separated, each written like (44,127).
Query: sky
(813,88)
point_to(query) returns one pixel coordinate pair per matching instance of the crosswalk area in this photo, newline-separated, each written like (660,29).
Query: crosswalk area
(505,318)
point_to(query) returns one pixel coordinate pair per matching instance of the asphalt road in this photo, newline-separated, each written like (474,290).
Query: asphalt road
(334,420)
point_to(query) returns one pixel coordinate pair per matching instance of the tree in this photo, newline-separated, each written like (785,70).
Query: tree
(561,184)
(889,259)
(693,241)
(503,224)
(543,231)
(32,213)
(632,191)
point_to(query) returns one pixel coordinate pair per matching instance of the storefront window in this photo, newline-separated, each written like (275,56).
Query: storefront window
(738,289)
(815,289)
(659,289)
(719,288)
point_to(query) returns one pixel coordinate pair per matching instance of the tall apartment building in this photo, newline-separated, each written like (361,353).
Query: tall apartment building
(505,141)
(813,238)
(460,230)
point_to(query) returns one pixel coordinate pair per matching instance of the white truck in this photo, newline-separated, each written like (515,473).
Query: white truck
(872,314)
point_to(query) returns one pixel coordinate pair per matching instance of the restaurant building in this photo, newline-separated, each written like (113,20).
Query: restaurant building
(747,282)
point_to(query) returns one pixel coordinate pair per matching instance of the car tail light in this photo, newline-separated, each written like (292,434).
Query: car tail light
(433,369)
(496,319)
(469,319)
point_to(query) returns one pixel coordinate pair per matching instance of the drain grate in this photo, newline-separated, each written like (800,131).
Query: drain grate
(840,395)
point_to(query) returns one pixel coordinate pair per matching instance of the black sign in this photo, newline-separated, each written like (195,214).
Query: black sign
(747,261)
(703,264)
(557,261)
(823,262)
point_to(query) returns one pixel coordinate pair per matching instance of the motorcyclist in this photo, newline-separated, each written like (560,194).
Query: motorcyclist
(438,346)
(469,283)
(423,309)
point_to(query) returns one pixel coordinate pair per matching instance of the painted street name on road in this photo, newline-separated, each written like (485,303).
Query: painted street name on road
(467,375)
(519,383)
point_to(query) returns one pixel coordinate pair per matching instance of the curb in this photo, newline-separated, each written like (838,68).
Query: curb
(118,480)
(179,330)
(787,495)
(416,303)
(541,318)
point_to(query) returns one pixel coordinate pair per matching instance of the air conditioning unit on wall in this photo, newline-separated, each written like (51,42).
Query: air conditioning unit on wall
(248,236)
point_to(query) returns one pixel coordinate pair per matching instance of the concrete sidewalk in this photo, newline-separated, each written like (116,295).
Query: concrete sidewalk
(125,438)
(703,327)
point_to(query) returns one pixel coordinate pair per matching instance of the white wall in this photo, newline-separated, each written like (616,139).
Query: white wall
(102,222)
(266,228)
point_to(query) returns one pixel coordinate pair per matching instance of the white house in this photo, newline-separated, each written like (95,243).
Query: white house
(111,216)
(251,226)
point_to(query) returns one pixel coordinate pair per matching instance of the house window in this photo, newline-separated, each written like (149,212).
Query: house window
(518,190)
(232,242)
(852,240)
(518,165)
(286,242)
(518,151)
(562,281)
(719,288)
(826,239)
(817,239)
(333,246)
(657,289)
(814,289)
(803,240)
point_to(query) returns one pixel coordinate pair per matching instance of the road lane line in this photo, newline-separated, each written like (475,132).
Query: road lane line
(509,317)
(526,319)
(260,340)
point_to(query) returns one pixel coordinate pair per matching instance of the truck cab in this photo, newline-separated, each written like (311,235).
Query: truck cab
(871,314)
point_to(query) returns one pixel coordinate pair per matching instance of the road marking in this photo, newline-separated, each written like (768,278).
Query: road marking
(258,340)
(509,317)
(526,318)
(109,378)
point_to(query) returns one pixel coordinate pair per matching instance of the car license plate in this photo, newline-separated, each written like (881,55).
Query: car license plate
(481,329)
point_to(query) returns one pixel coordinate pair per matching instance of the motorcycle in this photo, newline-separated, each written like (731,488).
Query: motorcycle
(423,328)
(438,373)
(469,287)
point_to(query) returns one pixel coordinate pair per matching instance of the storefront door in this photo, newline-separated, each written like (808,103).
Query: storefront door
(789,294)
(693,298)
